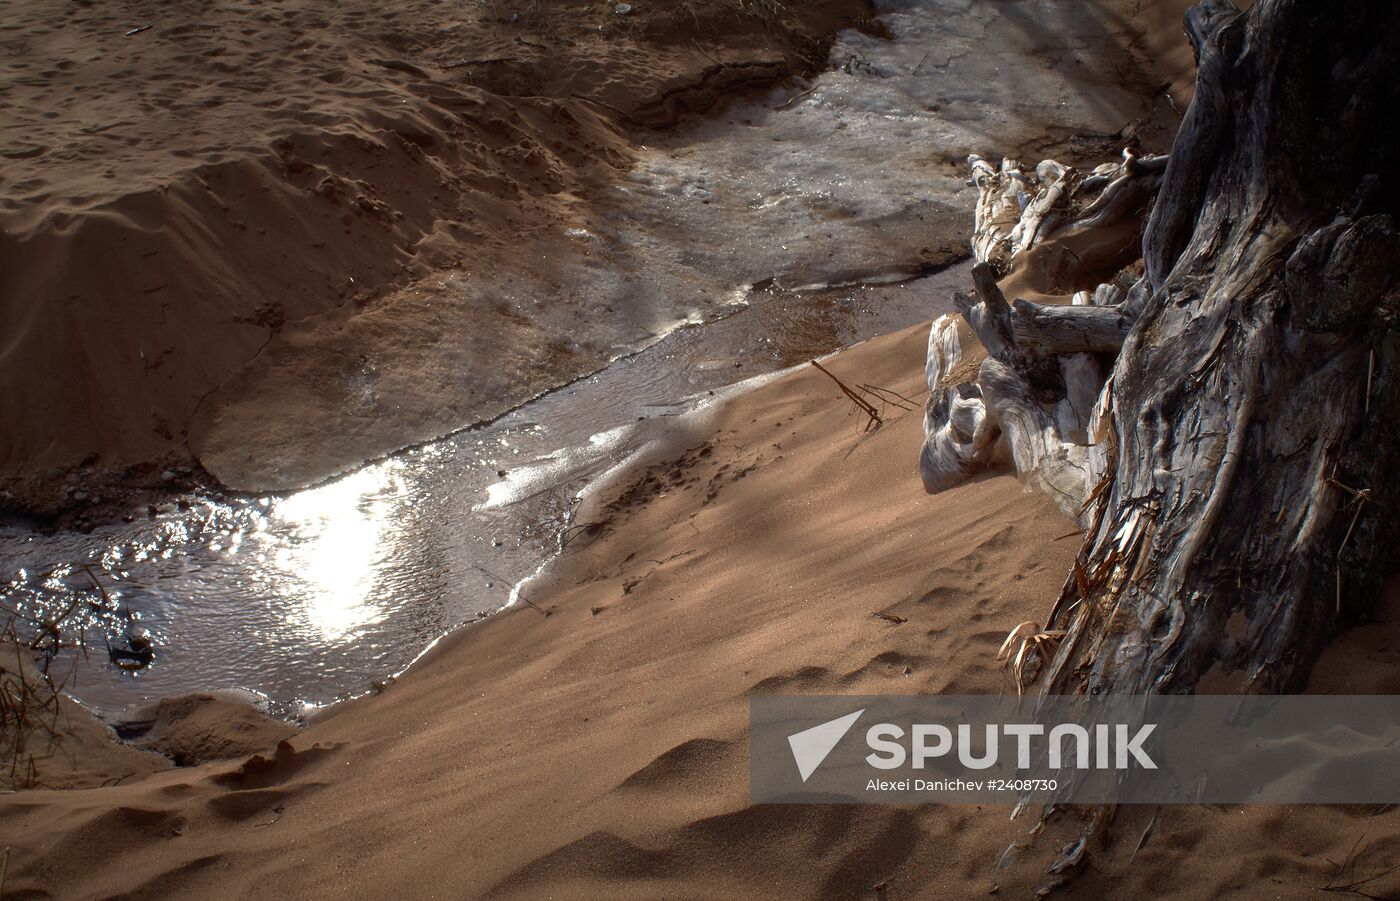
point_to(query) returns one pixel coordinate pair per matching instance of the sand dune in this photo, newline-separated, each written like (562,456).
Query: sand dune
(601,751)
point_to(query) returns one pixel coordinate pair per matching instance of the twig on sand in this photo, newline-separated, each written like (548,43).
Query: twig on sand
(889,396)
(516,591)
(1146,834)
(1355,887)
(870,411)
(889,617)
(567,536)
(1346,861)
(673,557)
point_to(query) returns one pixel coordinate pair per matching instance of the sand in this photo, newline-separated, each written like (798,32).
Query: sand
(255,245)
(180,199)
(601,751)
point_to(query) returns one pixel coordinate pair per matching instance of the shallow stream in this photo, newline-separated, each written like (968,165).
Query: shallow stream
(314,596)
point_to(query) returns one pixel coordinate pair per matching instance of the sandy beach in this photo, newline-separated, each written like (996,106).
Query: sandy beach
(270,243)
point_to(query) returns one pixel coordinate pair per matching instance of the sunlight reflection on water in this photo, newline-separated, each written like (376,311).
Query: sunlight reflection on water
(312,596)
(332,540)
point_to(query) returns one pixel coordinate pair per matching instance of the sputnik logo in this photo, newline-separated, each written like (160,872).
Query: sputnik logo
(811,746)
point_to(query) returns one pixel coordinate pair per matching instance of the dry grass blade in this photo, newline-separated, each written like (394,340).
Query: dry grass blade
(1146,834)
(1020,633)
(1031,644)
(1355,887)
(29,705)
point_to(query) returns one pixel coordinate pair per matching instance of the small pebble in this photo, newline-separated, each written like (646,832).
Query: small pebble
(168,476)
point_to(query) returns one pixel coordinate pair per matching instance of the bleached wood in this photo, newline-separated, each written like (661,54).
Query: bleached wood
(1015,213)
(959,441)
(1068,329)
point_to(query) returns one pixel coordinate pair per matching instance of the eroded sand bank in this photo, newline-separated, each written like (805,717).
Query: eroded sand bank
(256,246)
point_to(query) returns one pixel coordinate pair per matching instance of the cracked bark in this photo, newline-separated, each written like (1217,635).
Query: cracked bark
(1252,418)
(1249,430)
(1241,488)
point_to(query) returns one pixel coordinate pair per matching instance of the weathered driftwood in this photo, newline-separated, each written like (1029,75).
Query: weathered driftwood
(1238,463)
(1037,416)
(1074,329)
(1016,212)
(1249,434)
(959,438)
(1037,445)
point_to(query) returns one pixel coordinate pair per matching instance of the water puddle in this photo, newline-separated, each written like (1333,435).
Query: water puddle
(314,596)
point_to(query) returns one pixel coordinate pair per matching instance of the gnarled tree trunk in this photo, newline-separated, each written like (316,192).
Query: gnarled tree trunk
(1251,417)
(1237,475)
(1236,468)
